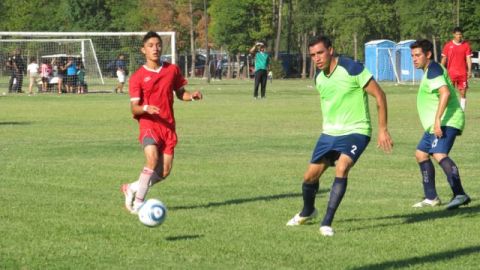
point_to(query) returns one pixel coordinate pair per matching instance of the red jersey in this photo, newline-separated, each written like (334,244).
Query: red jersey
(155,87)
(456,54)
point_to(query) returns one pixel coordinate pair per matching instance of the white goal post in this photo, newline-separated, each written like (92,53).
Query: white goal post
(98,52)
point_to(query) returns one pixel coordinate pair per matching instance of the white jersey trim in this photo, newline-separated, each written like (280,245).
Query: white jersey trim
(154,70)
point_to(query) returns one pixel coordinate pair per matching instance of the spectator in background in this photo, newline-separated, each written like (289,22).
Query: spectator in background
(81,78)
(17,67)
(45,71)
(121,67)
(32,71)
(10,70)
(61,73)
(71,75)
(262,64)
(218,69)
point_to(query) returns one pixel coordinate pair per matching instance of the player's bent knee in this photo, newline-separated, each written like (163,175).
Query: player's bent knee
(309,179)
(311,176)
(421,156)
(439,156)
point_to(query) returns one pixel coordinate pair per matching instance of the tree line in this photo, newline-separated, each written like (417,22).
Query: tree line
(233,26)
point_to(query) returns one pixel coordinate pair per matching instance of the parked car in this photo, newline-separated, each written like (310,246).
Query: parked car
(475,64)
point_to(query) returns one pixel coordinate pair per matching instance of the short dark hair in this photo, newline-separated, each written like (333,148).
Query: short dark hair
(151,34)
(423,44)
(457,29)
(320,39)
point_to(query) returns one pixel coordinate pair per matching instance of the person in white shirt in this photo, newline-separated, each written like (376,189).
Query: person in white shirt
(32,71)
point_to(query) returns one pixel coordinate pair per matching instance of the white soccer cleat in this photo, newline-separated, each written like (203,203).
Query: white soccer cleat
(129,196)
(298,220)
(428,202)
(457,201)
(326,231)
(136,207)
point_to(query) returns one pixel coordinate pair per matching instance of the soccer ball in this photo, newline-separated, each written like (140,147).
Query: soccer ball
(152,213)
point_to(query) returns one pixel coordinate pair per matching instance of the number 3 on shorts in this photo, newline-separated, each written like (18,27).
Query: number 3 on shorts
(354,148)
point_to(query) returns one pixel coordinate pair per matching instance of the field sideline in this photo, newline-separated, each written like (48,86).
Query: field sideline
(235,183)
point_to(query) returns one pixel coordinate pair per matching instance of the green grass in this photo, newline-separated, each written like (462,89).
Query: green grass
(236,181)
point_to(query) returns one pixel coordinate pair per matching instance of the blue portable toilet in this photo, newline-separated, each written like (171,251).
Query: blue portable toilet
(380,58)
(405,66)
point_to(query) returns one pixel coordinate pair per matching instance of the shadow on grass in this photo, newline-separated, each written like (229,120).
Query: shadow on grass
(183,237)
(419,260)
(7,123)
(238,201)
(417,217)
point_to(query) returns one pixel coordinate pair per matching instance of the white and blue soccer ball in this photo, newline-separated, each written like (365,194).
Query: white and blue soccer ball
(152,213)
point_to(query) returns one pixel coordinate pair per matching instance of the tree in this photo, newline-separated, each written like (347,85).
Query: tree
(128,16)
(237,24)
(470,22)
(310,14)
(347,21)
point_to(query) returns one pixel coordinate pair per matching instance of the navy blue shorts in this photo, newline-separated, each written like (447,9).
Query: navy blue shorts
(330,147)
(431,144)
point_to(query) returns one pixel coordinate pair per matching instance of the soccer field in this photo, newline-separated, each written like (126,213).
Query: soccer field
(236,181)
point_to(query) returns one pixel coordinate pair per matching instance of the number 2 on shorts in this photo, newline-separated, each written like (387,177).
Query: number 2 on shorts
(354,148)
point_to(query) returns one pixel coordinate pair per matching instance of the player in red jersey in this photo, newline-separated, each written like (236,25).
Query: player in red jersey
(151,90)
(457,55)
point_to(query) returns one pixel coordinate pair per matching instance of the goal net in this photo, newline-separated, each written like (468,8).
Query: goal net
(98,51)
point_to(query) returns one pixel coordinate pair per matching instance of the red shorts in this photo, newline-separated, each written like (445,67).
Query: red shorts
(459,81)
(165,139)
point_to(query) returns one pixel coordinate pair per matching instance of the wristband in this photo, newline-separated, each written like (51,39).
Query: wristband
(145,108)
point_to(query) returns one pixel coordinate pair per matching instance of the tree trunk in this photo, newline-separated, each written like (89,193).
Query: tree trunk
(289,26)
(274,14)
(238,67)
(312,64)
(247,57)
(279,29)
(304,37)
(206,73)
(229,66)
(192,42)
(355,56)
(435,57)
(186,65)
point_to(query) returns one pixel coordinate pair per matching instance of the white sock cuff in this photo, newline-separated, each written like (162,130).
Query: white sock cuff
(147,171)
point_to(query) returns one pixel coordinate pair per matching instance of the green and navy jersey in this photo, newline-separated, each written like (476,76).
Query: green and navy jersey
(261,60)
(428,98)
(343,100)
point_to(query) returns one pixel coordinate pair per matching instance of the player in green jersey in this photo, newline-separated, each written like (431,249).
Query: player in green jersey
(443,120)
(344,86)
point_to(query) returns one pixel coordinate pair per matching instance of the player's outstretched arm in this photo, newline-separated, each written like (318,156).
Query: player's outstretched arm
(384,140)
(185,95)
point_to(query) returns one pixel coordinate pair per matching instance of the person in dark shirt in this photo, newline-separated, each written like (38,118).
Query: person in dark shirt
(17,68)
